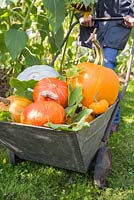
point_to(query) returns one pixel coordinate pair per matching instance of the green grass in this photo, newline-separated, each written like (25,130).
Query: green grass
(32,181)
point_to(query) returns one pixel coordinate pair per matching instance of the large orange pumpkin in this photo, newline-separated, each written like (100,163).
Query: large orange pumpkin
(39,113)
(96,79)
(51,89)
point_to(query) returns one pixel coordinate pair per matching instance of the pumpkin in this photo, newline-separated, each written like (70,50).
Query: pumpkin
(51,89)
(99,107)
(37,72)
(96,79)
(90,118)
(15,105)
(39,113)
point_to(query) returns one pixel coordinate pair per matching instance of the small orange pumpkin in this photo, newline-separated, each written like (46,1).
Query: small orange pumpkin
(51,89)
(90,118)
(99,107)
(15,105)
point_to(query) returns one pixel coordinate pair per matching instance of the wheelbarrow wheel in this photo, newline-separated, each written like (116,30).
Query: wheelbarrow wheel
(103,166)
(14,159)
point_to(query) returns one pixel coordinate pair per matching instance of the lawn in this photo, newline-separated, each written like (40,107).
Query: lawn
(32,181)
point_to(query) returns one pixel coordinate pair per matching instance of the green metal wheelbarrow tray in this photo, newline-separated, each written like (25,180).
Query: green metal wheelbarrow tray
(64,149)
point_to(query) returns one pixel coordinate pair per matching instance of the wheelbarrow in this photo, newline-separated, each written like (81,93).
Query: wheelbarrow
(77,151)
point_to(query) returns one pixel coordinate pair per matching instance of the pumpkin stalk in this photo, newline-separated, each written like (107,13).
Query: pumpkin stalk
(49,94)
(95,97)
(5,101)
(98,49)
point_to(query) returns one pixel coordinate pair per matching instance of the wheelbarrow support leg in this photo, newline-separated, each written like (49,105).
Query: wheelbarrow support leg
(103,166)
(14,159)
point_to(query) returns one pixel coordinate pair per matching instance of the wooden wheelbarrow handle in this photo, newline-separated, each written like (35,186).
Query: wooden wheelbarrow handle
(129,64)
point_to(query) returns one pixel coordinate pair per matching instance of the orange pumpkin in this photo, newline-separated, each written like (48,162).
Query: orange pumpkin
(51,89)
(99,107)
(96,79)
(15,105)
(90,118)
(39,113)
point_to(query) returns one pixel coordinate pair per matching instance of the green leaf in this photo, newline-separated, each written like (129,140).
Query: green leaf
(70,111)
(2,44)
(57,10)
(83,114)
(15,41)
(75,96)
(68,127)
(58,126)
(5,116)
(74,71)
(23,88)
(59,37)
(31,59)
(87,2)
(81,124)
(43,26)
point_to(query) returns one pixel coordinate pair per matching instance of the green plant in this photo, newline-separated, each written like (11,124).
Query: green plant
(30,27)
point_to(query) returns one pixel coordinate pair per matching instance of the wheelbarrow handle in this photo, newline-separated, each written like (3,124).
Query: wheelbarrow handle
(129,64)
(107,18)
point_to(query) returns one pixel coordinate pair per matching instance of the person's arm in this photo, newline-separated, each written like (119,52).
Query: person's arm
(129,19)
(86,21)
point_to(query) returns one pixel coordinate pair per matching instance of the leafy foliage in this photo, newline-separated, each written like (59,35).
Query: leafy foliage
(54,6)
(15,41)
(23,88)
(32,31)
(5,116)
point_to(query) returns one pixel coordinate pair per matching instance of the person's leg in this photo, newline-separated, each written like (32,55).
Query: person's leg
(110,62)
(110,57)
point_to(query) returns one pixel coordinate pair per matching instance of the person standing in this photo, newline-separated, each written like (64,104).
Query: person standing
(112,34)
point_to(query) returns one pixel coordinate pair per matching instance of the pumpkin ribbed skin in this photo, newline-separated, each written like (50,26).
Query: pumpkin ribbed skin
(39,113)
(52,85)
(16,106)
(99,107)
(95,79)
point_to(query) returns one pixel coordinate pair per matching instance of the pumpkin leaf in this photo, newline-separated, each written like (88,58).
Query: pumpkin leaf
(74,99)
(73,72)
(70,111)
(75,96)
(68,127)
(30,58)
(54,7)
(23,88)
(15,41)
(58,126)
(81,124)
(5,116)
(83,114)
